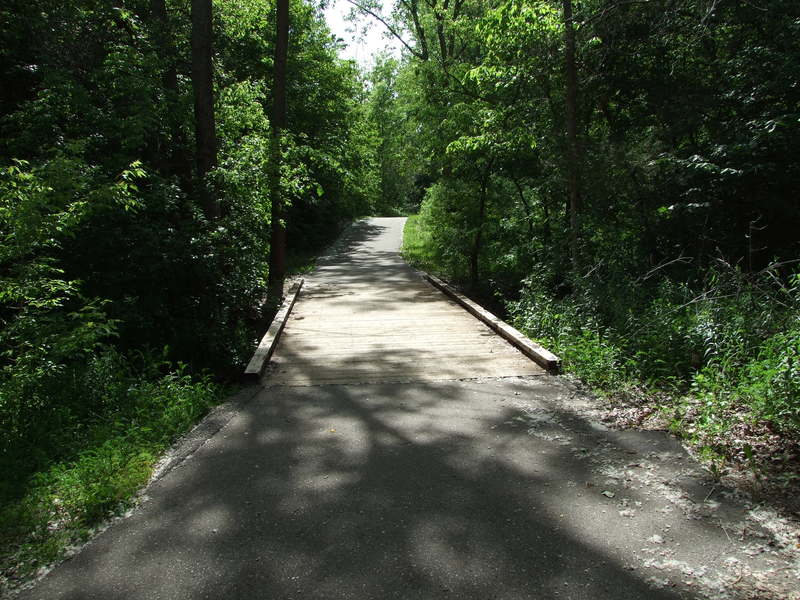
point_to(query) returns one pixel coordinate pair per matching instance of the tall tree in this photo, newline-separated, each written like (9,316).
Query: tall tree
(277,261)
(203,85)
(179,162)
(573,155)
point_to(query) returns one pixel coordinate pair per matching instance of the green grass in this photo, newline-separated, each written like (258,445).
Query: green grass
(416,248)
(97,467)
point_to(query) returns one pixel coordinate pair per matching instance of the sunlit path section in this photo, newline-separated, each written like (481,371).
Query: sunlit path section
(365,316)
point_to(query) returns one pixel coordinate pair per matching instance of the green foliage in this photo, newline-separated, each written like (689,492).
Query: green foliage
(48,325)
(771,382)
(87,459)
(123,97)
(105,249)
(386,112)
(571,330)
(752,345)
(719,347)
(445,228)
(686,226)
(416,247)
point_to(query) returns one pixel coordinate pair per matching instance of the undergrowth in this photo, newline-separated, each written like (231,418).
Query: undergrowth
(724,353)
(87,455)
(416,248)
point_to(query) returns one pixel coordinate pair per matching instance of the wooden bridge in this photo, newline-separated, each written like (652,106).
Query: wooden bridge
(365,316)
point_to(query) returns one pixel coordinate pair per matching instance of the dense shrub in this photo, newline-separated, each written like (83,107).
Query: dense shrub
(93,443)
(731,343)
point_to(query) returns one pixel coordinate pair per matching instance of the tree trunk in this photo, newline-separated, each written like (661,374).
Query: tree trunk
(166,48)
(478,241)
(525,206)
(440,34)
(277,255)
(202,83)
(547,236)
(177,162)
(573,166)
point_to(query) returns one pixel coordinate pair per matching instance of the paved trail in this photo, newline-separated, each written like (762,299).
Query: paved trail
(366,316)
(405,480)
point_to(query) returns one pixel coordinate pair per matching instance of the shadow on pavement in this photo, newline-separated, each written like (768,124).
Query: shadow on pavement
(358,492)
(481,490)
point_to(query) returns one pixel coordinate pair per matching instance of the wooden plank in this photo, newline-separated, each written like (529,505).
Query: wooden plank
(371,316)
(528,347)
(313,375)
(363,336)
(267,345)
(391,359)
(438,348)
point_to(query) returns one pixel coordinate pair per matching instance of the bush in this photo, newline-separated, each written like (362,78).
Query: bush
(732,344)
(572,332)
(772,381)
(49,327)
(87,460)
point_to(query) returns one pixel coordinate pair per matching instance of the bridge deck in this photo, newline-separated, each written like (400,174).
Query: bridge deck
(365,316)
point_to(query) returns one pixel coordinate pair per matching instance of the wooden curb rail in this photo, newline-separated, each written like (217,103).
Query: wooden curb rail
(529,348)
(267,345)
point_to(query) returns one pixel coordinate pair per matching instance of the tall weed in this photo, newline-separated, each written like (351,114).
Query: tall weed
(732,341)
(88,459)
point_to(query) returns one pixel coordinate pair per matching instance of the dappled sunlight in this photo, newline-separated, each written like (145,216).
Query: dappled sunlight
(500,487)
(458,545)
(366,316)
(209,522)
(450,489)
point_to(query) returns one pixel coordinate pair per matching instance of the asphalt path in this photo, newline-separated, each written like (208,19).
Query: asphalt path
(479,488)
